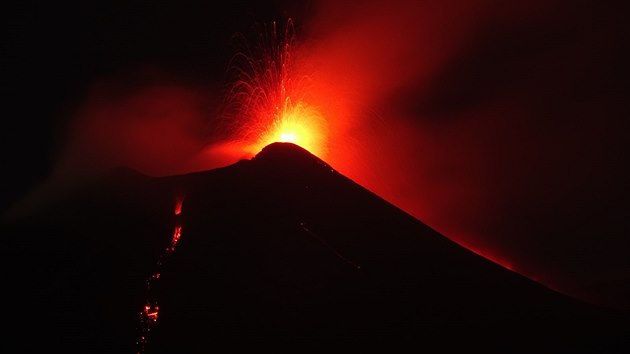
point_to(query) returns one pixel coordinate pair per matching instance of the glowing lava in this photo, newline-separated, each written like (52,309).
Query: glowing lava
(301,125)
(269,101)
(151,311)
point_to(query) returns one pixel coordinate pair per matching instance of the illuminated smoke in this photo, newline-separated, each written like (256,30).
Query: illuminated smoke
(496,123)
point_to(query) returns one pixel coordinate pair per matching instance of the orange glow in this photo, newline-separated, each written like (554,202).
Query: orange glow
(301,125)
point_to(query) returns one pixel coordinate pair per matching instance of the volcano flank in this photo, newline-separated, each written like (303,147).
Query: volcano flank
(277,250)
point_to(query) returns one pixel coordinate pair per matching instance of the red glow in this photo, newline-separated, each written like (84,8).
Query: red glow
(333,98)
(154,128)
(403,98)
(177,234)
(178,205)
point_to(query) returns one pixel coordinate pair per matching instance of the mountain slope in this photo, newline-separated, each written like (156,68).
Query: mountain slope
(279,250)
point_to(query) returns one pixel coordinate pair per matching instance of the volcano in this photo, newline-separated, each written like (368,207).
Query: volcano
(277,251)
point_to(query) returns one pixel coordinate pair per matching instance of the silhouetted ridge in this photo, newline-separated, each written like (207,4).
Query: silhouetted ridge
(284,151)
(290,159)
(280,249)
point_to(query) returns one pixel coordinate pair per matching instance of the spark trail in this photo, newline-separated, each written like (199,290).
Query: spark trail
(269,100)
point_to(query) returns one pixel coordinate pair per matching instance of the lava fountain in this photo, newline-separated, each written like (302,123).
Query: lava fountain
(269,100)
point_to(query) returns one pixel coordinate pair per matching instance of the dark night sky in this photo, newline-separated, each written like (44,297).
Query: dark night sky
(542,87)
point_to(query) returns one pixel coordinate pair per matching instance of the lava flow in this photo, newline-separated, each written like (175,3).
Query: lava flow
(150,312)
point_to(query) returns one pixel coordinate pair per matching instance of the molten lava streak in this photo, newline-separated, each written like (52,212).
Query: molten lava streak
(150,311)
